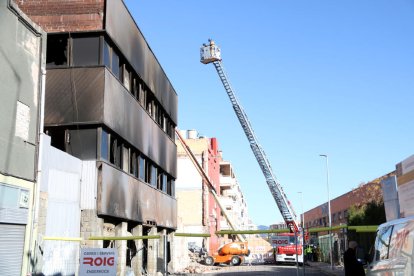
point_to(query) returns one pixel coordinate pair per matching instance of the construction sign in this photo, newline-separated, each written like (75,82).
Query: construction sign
(280,241)
(98,262)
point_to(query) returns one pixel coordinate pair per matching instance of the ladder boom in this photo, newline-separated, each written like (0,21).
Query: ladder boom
(276,189)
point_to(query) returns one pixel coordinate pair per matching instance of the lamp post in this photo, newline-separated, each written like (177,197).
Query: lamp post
(302,220)
(329,210)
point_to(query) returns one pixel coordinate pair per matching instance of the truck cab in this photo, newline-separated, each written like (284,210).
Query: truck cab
(288,248)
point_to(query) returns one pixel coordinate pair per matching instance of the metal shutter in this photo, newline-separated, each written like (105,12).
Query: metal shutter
(11,249)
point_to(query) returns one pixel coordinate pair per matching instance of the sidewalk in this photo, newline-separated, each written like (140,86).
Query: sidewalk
(326,268)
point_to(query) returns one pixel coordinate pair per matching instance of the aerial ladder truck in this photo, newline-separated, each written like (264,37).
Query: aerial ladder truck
(210,53)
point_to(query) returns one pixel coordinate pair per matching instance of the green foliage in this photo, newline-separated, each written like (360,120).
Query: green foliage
(372,213)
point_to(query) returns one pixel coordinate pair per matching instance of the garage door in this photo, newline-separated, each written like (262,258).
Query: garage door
(11,249)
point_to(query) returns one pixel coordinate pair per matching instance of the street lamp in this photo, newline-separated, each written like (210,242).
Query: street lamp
(302,220)
(329,210)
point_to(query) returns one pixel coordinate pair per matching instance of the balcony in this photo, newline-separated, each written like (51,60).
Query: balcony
(227,181)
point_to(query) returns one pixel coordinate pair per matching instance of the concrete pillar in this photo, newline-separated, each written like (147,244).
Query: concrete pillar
(161,250)
(172,241)
(152,252)
(136,261)
(121,230)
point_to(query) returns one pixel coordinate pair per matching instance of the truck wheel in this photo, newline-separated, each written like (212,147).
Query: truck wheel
(209,260)
(235,260)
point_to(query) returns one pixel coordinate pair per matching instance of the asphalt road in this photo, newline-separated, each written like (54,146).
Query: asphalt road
(267,270)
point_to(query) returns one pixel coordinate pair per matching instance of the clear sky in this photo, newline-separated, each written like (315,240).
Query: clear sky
(314,77)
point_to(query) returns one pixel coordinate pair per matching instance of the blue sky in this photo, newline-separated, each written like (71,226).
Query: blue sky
(314,77)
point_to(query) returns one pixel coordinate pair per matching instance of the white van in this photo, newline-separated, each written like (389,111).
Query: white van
(394,248)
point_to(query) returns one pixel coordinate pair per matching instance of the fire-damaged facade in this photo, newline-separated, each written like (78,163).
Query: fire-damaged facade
(109,102)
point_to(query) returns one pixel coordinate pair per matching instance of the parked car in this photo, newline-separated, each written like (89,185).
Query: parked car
(394,248)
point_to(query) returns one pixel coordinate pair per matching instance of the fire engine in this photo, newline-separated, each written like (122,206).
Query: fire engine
(211,53)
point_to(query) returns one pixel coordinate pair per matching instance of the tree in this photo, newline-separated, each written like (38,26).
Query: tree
(371,213)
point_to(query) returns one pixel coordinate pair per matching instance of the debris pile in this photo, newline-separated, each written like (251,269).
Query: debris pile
(196,265)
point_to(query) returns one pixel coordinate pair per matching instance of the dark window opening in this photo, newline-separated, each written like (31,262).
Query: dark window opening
(85,51)
(57,137)
(57,51)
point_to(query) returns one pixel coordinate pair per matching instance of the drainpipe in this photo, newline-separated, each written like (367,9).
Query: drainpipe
(36,190)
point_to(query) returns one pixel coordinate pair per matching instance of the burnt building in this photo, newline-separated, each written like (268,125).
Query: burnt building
(109,102)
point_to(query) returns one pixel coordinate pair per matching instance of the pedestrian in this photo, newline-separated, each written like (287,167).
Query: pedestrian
(352,266)
(308,252)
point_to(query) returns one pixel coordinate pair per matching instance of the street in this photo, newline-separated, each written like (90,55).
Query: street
(264,270)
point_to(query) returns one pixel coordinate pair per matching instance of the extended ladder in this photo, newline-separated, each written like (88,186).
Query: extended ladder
(210,53)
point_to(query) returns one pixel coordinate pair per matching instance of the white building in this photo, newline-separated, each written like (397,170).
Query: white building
(232,198)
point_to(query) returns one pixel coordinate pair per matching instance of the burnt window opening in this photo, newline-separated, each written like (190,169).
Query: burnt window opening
(126,76)
(57,137)
(57,51)
(115,157)
(142,94)
(133,165)
(125,159)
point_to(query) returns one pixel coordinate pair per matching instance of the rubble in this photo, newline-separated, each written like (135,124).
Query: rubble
(196,266)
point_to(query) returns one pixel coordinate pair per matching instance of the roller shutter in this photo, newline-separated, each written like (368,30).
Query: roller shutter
(11,249)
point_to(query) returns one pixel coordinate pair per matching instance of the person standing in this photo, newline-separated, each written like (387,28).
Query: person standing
(352,266)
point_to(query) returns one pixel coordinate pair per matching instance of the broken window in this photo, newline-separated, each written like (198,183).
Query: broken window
(133,165)
(125,159)
(135,86)
(57,51)
(115,157)
(142,95)
(126,76)
(149,108)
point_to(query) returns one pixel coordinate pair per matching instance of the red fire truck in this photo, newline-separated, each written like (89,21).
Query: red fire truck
(287,248)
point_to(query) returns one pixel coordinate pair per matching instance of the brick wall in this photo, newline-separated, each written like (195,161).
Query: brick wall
(65,15)
(362,195)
